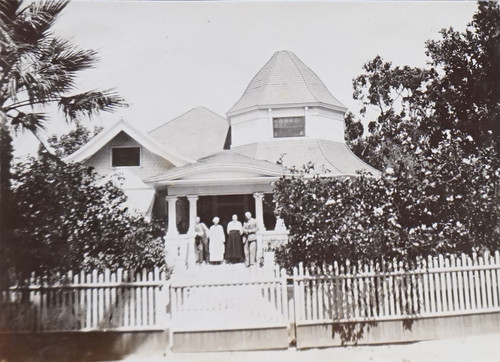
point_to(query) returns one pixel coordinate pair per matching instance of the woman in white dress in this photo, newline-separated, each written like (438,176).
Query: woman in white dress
(217,240)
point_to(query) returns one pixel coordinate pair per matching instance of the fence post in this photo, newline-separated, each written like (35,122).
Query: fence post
(449,296)
(494,280)
(488,278)
(163,298)
(482,278)
(462,291)
(454,284)
(339,297)
(296,295)
(497,263)
(284,294)
(100,302)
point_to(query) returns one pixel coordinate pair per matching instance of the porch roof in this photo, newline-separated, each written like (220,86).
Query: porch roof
(222,167)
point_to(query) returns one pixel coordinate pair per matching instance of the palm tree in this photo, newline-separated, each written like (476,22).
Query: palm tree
(38,69)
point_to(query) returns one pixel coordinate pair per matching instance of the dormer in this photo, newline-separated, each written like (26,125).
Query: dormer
(286,100)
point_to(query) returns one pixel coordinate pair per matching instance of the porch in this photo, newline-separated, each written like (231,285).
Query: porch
(220,185)
(182,211)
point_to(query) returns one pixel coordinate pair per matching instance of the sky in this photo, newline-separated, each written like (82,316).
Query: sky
(167,57)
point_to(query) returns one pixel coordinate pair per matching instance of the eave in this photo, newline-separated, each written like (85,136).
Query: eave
(287,105)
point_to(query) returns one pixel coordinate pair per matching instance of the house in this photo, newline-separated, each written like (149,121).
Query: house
(203,164)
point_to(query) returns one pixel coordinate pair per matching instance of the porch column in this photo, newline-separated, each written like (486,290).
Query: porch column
(172,216)
(259,210)
(280,224)
(192,212)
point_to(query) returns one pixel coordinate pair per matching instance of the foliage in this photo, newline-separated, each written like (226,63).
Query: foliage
(458,91)
(435,135)
(444,202)
(396,93)
(5,191)
(5,159)
(68,218)
(73,140)
(466,93)
(39,68)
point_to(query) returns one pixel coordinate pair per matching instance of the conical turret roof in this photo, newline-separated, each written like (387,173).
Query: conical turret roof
(285,80)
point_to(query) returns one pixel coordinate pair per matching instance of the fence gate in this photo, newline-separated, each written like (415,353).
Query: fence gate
(230,316)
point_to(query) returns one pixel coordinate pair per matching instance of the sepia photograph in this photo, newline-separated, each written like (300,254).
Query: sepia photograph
(249,180)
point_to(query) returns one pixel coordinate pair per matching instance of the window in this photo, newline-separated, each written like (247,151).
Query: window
(289,127)
(125,156)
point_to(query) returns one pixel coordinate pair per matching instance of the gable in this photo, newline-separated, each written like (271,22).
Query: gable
(150,163)
(98,142)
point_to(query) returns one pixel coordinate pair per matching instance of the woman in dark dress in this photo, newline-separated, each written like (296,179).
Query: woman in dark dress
(234,246)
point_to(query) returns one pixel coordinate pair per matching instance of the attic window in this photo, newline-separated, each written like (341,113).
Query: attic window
(125,156)
(289,127)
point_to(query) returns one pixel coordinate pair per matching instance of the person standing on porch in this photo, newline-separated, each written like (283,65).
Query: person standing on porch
(234,246)
(200,241)
(250,229)
(217,240)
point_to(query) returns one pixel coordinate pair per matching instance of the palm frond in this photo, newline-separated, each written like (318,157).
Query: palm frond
(9,9)
(49,72)
(90,103)
(8,12)
(8,46)
(40,68)
(56,65)
(36,19)
(63,56)
(33,122)
(23,28)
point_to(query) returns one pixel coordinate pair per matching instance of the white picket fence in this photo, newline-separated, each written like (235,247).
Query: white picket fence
(87,301)
(437,287)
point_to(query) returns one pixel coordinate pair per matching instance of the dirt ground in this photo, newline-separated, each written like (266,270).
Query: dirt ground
(476,349)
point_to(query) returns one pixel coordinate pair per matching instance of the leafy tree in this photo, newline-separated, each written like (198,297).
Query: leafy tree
(38,69)
(73,140)
(69,218)
(435,136)
(446,202)
(465,94)
(459,91)
(397,94)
